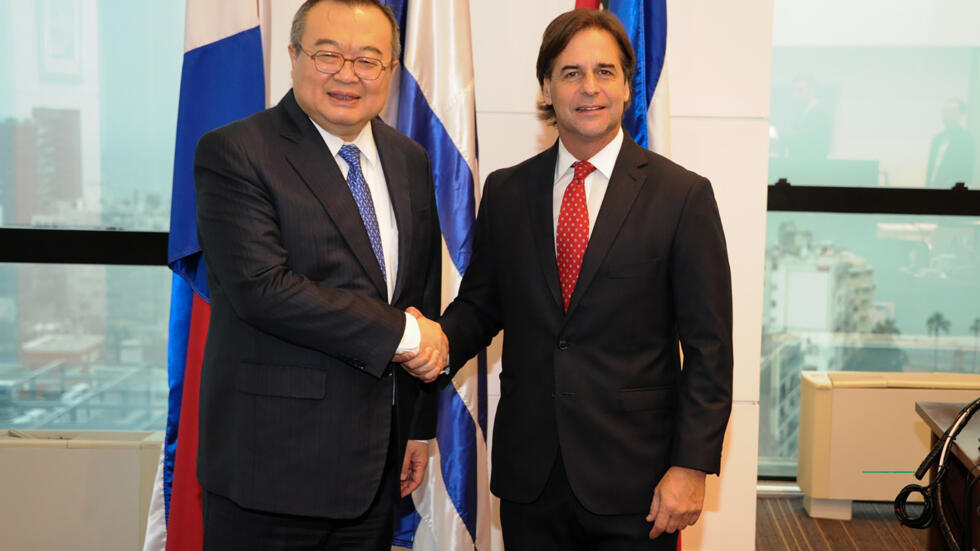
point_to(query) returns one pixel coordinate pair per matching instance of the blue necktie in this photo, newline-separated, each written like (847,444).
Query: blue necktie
(362,196)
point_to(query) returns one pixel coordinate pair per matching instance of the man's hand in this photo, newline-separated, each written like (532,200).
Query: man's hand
(433,353)
(677,501)
(413,467)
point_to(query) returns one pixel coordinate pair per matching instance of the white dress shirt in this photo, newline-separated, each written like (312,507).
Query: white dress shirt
(374,176)
(595,183)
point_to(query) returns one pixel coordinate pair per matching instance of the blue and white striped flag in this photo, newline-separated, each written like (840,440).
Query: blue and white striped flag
(436,107)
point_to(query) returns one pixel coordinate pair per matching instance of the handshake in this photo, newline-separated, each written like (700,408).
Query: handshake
(433,355)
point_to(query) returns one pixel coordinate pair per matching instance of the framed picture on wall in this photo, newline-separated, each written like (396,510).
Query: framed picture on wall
(59,40)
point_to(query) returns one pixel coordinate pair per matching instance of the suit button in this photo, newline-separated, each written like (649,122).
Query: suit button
(562,345)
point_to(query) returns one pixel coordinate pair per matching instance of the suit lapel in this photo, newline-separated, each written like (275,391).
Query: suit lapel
(316,166)
(540,189)
(624,184)
(395,168)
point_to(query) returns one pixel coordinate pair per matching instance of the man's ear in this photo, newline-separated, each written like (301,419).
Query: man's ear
(546,91)
(292,58)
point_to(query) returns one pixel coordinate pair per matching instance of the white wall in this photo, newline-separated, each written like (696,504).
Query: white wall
(718,56)
(876,23)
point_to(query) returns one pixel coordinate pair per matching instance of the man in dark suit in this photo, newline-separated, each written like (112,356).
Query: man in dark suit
(952,150)
(596,257)
(319,228)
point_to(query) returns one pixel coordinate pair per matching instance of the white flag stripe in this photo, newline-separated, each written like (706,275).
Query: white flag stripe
(440,512)
(443,529)
(155,538)
(467,383)
(658,115)
(439,54)
(207,21)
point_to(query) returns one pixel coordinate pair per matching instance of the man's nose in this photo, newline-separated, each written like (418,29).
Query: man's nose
(589,84)
(346,72)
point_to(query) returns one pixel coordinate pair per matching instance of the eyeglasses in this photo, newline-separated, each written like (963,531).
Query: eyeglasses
(330,63)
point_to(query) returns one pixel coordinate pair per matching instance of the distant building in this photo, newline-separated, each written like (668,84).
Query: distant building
(782,361)
(818,307)
(18,171)
(74,350)
(816,289)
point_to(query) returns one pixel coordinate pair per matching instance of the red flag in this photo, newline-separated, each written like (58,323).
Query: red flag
(185,501)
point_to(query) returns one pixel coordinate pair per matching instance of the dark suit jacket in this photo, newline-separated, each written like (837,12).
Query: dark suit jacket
(296,386)
(957,162)
(604,381)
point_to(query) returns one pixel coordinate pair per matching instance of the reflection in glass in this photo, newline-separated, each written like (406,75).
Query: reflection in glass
(862,293)
(952,150)
(83,347)
(874,116)
(88,109)
(867,96)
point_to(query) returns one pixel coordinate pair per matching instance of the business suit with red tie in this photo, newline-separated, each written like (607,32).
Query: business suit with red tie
(597,258)
(299,397)
(601,384)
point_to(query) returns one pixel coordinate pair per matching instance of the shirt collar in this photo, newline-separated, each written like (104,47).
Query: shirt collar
(603,161)
(364,141)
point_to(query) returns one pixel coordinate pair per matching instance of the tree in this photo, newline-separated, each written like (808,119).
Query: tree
(936,324)
(975,329)
(888,327)
(881,354)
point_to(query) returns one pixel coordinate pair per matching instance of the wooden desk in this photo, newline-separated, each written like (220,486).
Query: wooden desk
(966,456)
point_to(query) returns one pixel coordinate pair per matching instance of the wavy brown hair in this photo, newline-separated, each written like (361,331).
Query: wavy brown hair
(561,31)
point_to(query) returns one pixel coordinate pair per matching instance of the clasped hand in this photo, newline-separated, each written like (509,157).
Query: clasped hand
(433,354)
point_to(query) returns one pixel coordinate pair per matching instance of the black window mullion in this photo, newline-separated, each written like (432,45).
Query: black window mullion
(959,201)
(56,246)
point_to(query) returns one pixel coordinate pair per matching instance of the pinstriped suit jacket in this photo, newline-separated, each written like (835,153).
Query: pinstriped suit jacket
(297,385)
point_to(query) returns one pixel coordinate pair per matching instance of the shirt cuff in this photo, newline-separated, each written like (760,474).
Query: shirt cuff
(411,338)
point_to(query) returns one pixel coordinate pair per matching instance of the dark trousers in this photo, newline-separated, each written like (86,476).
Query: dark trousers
(556,520)
(229,527)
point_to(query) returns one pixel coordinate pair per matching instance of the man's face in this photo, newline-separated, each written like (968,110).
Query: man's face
(951,114)
(588,89)
(342,103)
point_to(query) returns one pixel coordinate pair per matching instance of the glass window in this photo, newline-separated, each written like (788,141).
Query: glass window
(83,347)
(858,292)
(868,94)
(88,104)
(881,100)
(88,110)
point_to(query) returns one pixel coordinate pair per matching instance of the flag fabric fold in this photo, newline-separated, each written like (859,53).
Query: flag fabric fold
(646,24)
(436,107)
(222,80)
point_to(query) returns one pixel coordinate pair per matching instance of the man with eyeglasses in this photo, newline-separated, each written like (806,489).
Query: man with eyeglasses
(319,229)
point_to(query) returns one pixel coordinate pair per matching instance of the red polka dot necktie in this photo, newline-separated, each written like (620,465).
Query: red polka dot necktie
(572,234)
